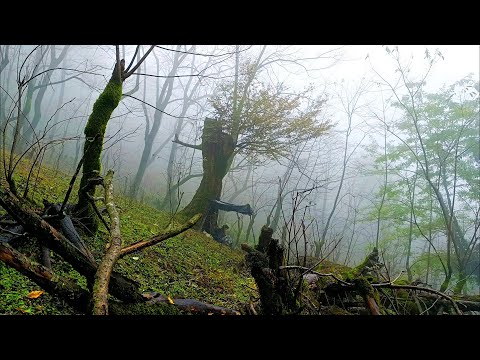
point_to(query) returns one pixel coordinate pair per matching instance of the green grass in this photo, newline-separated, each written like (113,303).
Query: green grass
(190,265)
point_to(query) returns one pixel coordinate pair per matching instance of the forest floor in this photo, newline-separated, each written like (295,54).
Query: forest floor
(192,265)
(189,265)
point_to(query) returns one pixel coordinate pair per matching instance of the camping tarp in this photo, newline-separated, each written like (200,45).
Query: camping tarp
(221,205)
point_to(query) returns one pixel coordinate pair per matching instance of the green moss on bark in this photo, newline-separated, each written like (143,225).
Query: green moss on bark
(92,150)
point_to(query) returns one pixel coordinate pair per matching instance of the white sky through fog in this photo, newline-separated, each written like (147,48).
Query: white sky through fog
(459,61)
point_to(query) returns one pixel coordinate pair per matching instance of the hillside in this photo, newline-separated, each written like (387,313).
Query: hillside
(190,265)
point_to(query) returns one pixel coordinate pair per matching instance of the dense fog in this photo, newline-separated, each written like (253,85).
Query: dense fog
(339,149)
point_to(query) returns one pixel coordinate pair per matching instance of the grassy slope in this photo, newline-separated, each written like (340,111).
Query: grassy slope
(190,265)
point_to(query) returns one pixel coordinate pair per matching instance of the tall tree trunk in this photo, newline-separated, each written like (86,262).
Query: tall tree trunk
(92,150)
(28,133)
(385,183)
(4,61)
(142,167)
(322,239)
(151,133)
(217,150)
(54,130)
(410,230)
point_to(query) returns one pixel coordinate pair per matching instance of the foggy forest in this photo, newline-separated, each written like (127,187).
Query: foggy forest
(239,180)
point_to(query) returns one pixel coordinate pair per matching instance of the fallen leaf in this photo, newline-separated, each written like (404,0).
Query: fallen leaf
(170,300)
(135,257)
(35,294)
(210,314)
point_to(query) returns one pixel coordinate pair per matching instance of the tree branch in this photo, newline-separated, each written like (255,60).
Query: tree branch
(127,74)
(161,237)
(176,140)
(289,267)
(419,288)
(105,268)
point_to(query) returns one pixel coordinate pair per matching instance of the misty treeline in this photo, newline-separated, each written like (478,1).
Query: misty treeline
(335,169)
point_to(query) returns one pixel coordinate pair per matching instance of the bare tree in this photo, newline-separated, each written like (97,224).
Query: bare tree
(350,105)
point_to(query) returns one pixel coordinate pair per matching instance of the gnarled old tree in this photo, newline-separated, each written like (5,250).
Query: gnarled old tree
(95,132)
(253,119)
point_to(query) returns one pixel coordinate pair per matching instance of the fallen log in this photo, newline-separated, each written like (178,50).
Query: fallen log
(64,223)
(367,292)
(105,268)
(120,286)
(45,278)
(191,305)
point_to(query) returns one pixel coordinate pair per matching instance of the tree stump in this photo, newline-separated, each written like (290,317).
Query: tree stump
(276,294)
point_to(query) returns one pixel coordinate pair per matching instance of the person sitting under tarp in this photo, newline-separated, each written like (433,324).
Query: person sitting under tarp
(220,235)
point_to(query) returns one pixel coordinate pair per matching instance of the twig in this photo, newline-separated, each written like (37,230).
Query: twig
(74,177)
(291,267)
(12,232)
(91,200)
(419,288)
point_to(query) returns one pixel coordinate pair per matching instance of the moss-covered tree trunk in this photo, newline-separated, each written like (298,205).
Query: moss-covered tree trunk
(217,151)
(92,149)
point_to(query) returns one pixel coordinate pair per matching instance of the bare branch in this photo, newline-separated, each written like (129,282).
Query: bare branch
(164,112)
(200,54)
(288,267)
(161,237)
(176,140)
(127,74)
(419,288)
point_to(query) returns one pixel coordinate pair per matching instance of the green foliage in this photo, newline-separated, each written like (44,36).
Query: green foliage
(439,141)
(265,120)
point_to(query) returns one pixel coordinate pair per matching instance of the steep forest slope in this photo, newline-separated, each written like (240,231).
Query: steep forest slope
(190,265)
